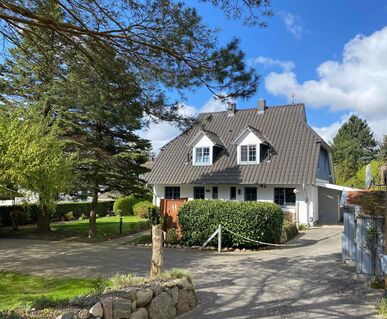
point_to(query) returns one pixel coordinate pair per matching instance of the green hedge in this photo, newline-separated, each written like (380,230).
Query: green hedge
(256,220)
(141,209)
(30,211)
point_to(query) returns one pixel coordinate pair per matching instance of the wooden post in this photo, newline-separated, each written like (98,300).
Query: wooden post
(157,252)
(219,238)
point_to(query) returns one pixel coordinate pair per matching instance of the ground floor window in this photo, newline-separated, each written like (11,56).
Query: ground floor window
(215,192)
(199,192)
(172,192)
(285,196)
(250,193)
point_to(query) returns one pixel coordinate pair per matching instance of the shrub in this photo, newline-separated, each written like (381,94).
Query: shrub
(256,220)
(124,205)
(290,229)
(69,216)
(172,236)
(141,209)
(21,216)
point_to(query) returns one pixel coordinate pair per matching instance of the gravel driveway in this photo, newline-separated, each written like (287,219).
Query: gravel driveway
(302,282)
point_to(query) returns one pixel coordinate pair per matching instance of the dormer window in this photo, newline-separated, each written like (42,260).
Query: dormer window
(202,156)
(248,153)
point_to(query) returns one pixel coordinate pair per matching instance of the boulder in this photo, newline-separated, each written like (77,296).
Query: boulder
(175,294)
(182,283)
(140,313)
(83,314)
(96,310)
(156,289)
(66,315)
(134,305)
(121,308)
(107,305)
(162,307)
(143,296)
(186,301)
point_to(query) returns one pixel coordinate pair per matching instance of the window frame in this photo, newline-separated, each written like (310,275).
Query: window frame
(195,189)
(250,194)
(174,190)
(281,194)
(201,150)
(248,148)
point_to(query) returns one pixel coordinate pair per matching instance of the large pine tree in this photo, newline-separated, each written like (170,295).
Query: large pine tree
(353,147)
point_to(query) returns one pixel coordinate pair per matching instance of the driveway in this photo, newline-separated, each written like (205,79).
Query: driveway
(308,281)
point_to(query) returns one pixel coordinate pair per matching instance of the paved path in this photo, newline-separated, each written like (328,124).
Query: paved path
(303,282)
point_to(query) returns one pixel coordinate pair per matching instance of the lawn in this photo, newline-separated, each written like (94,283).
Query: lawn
(107,228)
(26,291)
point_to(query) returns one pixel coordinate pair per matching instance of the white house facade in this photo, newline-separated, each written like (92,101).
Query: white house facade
(265,154)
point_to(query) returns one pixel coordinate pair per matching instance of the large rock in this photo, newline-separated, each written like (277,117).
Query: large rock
(175,294)
(107,305)
(96,310)
(140,313)
(162,307)
(121,308)
(83,314)
(186,301)
(183,283)
(143,297)
(66,315)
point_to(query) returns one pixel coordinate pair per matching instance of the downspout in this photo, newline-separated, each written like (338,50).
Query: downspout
(307,204)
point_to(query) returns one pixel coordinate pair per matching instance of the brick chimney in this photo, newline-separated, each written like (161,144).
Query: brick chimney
(261,105)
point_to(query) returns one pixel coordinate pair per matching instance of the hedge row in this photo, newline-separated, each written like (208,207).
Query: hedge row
(29,212)
(256,220)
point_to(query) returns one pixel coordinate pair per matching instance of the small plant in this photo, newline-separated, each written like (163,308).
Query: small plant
(120,281)
(123,206)
(141,209)
(302,227)
(383,307)
(70,216)
(376,284)
(175,273)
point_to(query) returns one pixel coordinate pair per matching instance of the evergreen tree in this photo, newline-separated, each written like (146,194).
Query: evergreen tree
(353,147)
(383,150)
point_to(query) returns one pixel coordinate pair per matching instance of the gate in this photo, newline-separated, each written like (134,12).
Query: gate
(169,209)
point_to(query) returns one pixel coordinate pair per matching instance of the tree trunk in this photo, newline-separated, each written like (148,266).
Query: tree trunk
(43,220)
(157,252)
(93,215)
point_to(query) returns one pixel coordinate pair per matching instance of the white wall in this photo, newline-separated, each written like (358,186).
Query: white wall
(202,141)
(306,200)
(248,138)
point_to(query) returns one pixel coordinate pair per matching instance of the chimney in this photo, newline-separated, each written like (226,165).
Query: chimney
(261,105)
(231,108)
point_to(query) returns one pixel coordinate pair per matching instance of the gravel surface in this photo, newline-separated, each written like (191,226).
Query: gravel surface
(308,281)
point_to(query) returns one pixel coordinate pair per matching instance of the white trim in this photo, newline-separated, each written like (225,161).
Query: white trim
(194,156)
(336,187)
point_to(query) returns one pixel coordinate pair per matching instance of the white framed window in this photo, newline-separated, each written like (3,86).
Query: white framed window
(248,153)
(202,156)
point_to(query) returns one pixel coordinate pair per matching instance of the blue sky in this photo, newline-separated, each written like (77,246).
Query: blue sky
(331,54)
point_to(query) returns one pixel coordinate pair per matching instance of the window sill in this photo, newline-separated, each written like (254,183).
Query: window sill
(248,163)
(199,164)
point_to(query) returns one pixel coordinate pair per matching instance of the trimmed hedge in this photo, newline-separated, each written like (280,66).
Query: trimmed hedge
(256,220)
(124,205)
(77,209)
(141,209)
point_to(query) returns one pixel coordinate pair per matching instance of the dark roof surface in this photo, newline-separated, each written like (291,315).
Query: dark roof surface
(214,138)
(296,148)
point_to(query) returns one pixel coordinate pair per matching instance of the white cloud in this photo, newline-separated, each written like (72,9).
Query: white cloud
(286,66)
(329,132)
(293,24)
(357,83)
(161,133)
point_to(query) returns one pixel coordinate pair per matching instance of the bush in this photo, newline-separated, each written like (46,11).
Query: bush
(69,216)
(30,211)
(256,220)
(124,205)
(290,229)
(172,236)
(141,209)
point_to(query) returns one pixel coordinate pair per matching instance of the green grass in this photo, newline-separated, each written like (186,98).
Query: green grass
(383,308)
(18,291)
(107,228)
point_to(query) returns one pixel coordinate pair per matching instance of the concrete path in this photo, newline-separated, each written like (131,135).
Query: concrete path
(302,282)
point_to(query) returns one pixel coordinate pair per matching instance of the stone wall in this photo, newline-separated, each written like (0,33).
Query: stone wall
(158,300)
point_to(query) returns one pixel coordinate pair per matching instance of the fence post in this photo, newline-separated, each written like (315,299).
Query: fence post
(219,238)
(120,225)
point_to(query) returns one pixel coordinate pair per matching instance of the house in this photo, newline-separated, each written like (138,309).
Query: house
(260,154)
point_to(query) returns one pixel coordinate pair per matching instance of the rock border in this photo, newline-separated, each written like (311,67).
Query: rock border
(157,300)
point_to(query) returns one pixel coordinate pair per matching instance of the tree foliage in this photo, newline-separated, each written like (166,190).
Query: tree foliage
(353,147)
(32,158)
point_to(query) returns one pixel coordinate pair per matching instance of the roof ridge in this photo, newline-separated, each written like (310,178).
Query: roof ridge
(269,107)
